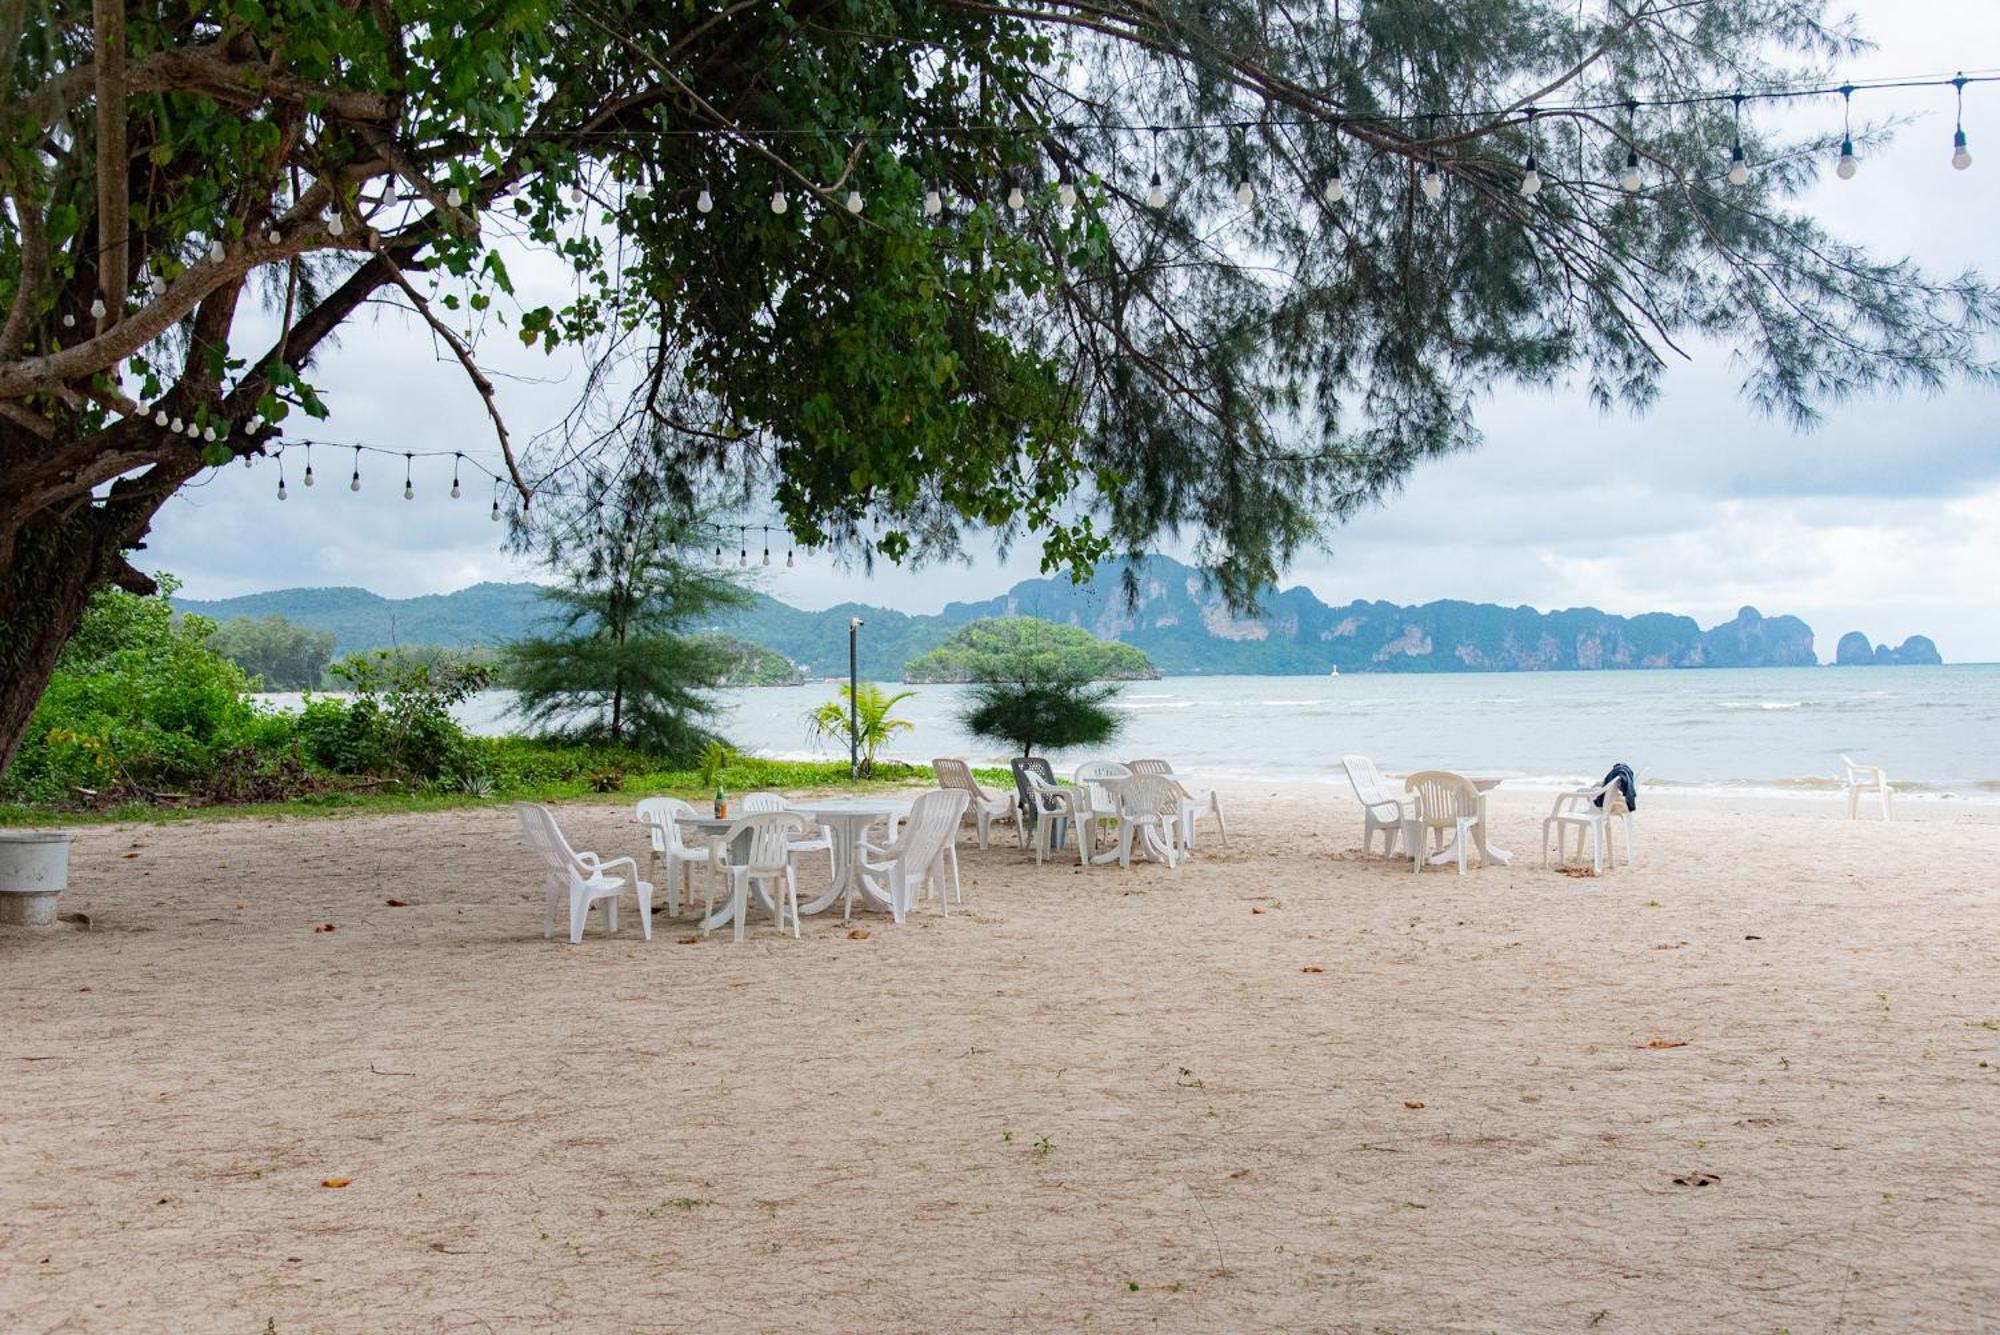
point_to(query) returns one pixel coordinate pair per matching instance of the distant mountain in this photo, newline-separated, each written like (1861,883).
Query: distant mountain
(1854,650)
(1178,621)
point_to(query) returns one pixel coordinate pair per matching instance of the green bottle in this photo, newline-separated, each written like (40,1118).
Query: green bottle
(721,803)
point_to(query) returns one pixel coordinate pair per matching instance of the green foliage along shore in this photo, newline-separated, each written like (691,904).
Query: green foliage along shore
(1019,648)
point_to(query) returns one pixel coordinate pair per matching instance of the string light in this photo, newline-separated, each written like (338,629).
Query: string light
(176,427)
(389,193)
(1629,180)
(455,457)
(1432,182)
(788,558)
(409,489)
(308,478)
(778,201)
(273,236)
(1066,191)
(69,320)
(1847,167)
(454,197)
(160,418)
(854,201)
(767,544)
(496,500)
(1961,156)
(215,251)
(743,552)
(1739,168)
(1156,195)
(933,201)
(97,308)
(1531,180)
(281,472)
(335,225)
(354,483)
(704,202)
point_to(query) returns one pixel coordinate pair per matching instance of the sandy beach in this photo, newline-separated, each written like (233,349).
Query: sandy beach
(1750,1084)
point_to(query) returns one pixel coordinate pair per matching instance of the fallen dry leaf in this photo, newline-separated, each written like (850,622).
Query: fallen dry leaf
(131,855)
(1256,908)
(223,863)
(1312,968)
(397,903)
(1696,1179)
(858,934)
(322,927)
(1412,1104)
(1671,945)
(1668,1043)
(335,1181)
(239,906)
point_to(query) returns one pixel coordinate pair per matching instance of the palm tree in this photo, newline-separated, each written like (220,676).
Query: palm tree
(871,706)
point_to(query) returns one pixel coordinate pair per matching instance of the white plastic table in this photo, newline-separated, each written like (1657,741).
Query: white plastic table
(1488,852)
(847,819)
(712,831)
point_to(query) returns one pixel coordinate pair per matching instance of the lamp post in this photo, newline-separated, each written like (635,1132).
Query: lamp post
(853,698)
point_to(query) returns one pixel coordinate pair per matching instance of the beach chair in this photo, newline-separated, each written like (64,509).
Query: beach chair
(915,856)
(1047,808)
(1380,809)
(985,808)
(585,876)
(1439,802)
(812,843)
(662,816)
(1149,813)
(1191,806)
(1866,779)
(1095,811)
(1590,811)
(767,860)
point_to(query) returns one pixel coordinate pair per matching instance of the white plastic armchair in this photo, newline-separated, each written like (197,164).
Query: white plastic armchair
(1589,811)
(916,855)
(1380,809)
(1149,814)
(822,842)
(1096,812)
(768,839)
(1191,806)
(662,816)
(985,807)
(1440,802)
(585,876)
(1867,779)
(1055,812)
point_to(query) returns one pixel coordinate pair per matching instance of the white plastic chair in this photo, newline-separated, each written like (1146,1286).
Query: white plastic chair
(1055,810)
(1866,779)
(984,807)
(1440,801)
(662,816)
(1095,811)
(585,875)
(915,856)
(1578,810)
(767,859)
(812,843)
(1191,806)
(1149,813)
(1380,809)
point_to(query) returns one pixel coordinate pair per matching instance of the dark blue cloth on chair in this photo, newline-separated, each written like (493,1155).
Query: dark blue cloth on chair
(1622,775)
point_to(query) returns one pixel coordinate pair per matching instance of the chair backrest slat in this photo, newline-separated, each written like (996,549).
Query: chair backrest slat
(1442,797)
(953,772)
(931,824)
(1149,767)
(756,802)
(1145,795)
(1367,781)
(662,817)
(771,834)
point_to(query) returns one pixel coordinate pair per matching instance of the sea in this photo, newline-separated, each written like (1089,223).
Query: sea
(1935,729)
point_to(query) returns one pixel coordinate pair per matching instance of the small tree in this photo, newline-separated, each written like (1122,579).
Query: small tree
(833,721)
(1044,709)
(620,663)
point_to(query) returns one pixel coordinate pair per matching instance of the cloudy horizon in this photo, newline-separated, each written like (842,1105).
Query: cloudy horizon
(1885,520)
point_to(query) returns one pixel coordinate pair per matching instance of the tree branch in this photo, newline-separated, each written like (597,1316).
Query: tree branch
(114,171)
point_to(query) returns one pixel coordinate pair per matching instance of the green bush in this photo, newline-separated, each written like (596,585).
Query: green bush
(399,722)
(138,705)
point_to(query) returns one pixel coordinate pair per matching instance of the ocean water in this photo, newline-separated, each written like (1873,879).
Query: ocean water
(1936,729)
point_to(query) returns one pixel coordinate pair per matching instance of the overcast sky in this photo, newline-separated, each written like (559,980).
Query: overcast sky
(1886,519)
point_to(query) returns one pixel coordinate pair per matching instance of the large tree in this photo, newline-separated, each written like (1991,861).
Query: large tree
(1090,377)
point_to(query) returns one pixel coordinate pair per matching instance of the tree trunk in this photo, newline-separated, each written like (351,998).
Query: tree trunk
(57,561)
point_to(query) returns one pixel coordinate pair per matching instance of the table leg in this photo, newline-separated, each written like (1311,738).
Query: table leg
(1488,852)
(849,881)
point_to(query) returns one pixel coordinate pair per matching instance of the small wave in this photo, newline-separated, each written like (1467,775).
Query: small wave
(1766,704)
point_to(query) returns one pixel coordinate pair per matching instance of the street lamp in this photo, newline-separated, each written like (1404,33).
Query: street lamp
(853,698)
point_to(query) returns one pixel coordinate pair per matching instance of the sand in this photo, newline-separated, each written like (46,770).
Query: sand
(1104,1100)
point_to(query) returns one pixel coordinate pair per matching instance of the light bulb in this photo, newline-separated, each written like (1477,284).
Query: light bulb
(496,512)
(208,434)
(409,492)
(1848,166)
(281,491)
(1531,182)
(1739,170)
(1016,200)
(156,284)
(1433,184)
(1156,196)
(388,191)
(576,194)
(308,479)
(641,193)
(215,251)
(1629,180)
(743,558)
(1066,195)
(1335,191)
(256,422)
(69,320)
(1246,194)
(194,430)
(767,556)
(335,225)
(159,419)
(854,201)
(97,308)
(176,427)
(454,197)
(933,203)
(1961,156)
(354,483)
(454,491)
(704,202)
(788,561)
(778,201)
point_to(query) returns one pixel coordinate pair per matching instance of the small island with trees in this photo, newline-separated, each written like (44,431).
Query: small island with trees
(1014,646)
